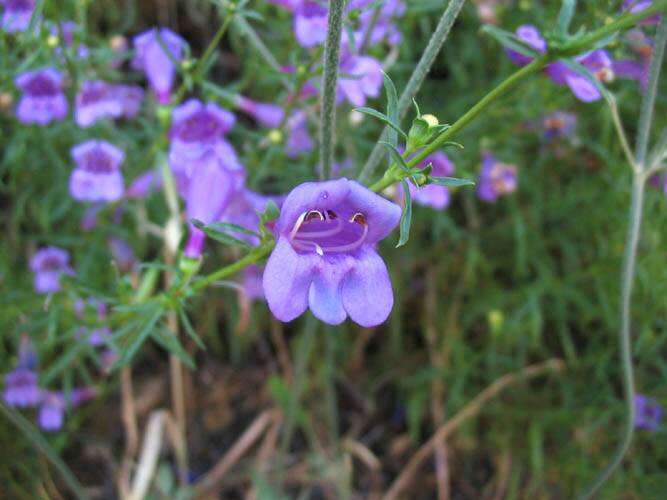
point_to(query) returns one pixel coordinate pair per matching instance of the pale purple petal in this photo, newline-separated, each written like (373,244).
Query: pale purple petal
(324,295)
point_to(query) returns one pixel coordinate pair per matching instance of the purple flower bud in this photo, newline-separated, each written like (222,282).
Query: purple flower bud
(97,176)
(48,264)
(325,257)
(432,195)
(17,14)
(268,115)
(361,77)
(209,191)
(530,35)
(52,411)
(43,100)
(98,99)
(496,179)
(648,413)
(197,130)
(155,62)
(298,138)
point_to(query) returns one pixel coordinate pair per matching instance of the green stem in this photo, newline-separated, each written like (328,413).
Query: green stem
(38,441)
(630,260)
(418,76)
(394,174)
(252,258)
(329,81)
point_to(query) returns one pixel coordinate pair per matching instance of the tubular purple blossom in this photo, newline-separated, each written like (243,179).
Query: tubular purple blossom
(325,257)
(266,114)
(49,264)
(97,175)
(43,100)
(155,62)
(98,99)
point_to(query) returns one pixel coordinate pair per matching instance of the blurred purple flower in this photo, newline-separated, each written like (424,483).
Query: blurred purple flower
(360,77)
(43,100)
(122,254)
(98,99)
(530,35)
(67,29)
(434,196)
(243,210)
(197,129)
(559,124)
(298,137)
(384,27)
(210,189)
(52,410)
(325,257)
(21,384)
(310,23)
(16,15)
(635,6)
(638,68)
(648,413)
(158,64)
(496,179)
(48,264)
(266,114)
(251,282)
(97,175)
(144,185)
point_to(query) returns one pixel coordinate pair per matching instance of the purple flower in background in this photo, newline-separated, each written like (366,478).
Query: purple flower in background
(97,175)
(530,35)
(635,6)
(384,27)
(648,413)
(559,124)
(122,254)
(360,77)
(496,179)
(98,99)
(67,30)
(155,62)
(243,210)
(310,23)
(197,129)
(210,188)
(298,137)
(434,196)
(325,257)
(268,115)
(43,100)
(52,410)
(597,62)
(16,15)
(251,282)
(21,387)
(144,185)
(48,264)
(638,68)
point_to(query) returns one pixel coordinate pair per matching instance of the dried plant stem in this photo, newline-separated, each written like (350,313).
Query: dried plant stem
(129,418)
(469,411)
(329,82)
(630,258)
(418,76)
(211,480)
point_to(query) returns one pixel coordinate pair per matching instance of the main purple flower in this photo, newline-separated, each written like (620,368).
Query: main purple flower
(43,100)
(49,264)
(16,15)
(597,62)
(21,387)
(155,62)
(197,129)
(98,99)
(97,176)
(325,256)
(496,179)
(648,413)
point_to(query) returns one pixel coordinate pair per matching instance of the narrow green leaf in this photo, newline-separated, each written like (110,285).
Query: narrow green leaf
(169,342)
(450,181)
(383,118)
(396,155)
(406,216)
(189,329)
(392,107)
(510,40)
(148,326)
(213,232)
(565,17)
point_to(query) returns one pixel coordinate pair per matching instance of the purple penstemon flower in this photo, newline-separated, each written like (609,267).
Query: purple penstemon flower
(266,114)
(43,100)
(49,264)
(197,129)
(52,410)
(155,62)
(310,23)
(97,176)
(360,78)
(298,137)
(21,384)
(210,188)
(325,257)
(434,196)
(648,413)
(496,179)
(383,28)
(598,62)
(16,14)
(98,99)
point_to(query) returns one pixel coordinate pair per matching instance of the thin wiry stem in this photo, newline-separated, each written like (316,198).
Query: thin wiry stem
(620,132)
(630,261)
(418,76)
(329,82)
